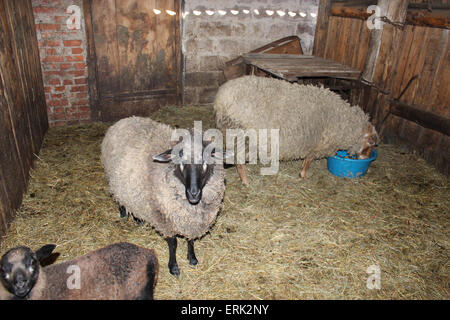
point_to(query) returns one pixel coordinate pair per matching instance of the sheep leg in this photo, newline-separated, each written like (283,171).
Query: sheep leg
(173,265)
(241,169)
(305,167)
(123,211)
(191,254)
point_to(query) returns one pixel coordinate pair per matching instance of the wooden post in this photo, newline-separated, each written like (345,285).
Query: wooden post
(320,38)
(91,61)
(395,11)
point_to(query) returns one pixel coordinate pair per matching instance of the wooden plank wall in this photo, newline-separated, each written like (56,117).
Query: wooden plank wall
(23,112)
(414,51)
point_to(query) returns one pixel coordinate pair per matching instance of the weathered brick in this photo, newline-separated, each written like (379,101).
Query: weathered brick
(58,103)
(78,88)
(80,65)
(82,95)
(80,103)
(72,43)
(60,89)
(51,52)
(51,43)
(59,123)
(65,66)
(74,58)
(61,19)
(77,73)
(59,116)
(81,81)
(48,26)
(44,10)
(53,59)
(54,82)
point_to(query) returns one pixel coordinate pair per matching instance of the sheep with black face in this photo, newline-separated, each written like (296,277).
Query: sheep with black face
(180,198)
(116,272)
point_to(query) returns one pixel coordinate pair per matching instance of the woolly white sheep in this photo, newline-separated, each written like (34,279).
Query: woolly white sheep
(176,199)
(121,271)
(313,122)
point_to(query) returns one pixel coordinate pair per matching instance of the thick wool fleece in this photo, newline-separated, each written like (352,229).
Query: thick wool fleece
(313,122)
(149,190)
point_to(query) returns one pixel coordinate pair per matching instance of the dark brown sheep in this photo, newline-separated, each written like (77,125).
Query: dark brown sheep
(120,271)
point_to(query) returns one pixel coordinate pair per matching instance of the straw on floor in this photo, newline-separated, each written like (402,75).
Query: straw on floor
(280,238)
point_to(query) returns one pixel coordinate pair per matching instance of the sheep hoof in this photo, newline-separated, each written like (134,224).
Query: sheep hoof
(174,270)
(193,261)
(123,212)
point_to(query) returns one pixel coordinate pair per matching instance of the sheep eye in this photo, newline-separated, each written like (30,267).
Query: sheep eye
(6,268)
(4,273)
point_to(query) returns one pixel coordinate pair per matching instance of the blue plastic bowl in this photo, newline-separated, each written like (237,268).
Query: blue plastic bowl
(349,168)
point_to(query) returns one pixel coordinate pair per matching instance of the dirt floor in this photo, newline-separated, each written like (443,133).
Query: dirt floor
(280,238)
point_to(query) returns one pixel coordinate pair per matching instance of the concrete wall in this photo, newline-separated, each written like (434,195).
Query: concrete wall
(211,40)
(63,61)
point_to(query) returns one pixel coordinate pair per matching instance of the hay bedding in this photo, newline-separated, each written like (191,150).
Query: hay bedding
(280,238)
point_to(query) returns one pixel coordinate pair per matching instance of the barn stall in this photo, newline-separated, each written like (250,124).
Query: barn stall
(281,237)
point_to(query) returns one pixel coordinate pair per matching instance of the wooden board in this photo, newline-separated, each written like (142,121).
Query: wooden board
(138,56)
(236,68)
(23,113)
(292,67)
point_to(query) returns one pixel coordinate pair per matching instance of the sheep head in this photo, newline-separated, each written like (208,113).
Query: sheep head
(193,169)
(369,142)
(19,269)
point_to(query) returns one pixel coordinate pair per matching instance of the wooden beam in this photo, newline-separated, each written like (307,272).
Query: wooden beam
(435,18)
(320,38)
(394,10)
(438,17)
(423,118)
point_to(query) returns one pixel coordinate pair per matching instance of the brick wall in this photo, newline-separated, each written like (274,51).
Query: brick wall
(211,40)
(63,60)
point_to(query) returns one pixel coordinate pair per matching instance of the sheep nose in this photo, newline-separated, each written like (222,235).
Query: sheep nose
(194,196)
(20,282)
(194,192)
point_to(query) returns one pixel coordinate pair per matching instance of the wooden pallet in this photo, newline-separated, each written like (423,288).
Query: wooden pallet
(294,67)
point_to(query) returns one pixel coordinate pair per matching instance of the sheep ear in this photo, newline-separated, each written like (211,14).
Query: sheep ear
(45,251)
(166,156)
